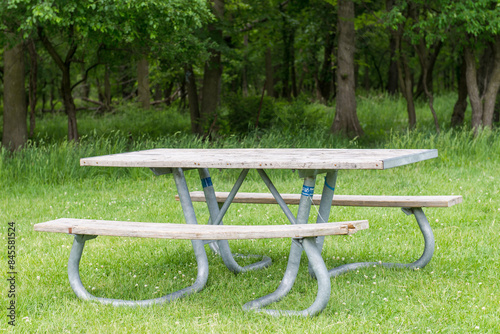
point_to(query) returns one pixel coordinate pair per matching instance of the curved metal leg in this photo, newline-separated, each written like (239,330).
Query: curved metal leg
(222,247)
(82,293)
(314,255)
(286,284)
(420,263)
(320,272)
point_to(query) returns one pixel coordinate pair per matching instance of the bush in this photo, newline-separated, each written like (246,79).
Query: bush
(241,113)
(301,115)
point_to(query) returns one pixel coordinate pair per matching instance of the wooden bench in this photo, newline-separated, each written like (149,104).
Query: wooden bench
(338,200)
(86,229)
(196,232)
(411,205)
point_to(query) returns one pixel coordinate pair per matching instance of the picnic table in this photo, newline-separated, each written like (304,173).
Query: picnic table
(309,163)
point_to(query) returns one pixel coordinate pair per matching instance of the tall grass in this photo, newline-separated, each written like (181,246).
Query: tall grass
(58,162)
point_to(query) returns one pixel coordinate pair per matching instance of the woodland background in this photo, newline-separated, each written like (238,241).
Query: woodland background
(230,64)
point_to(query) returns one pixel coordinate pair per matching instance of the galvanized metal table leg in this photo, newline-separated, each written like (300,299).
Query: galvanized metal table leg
(277,196)
(294,263)
(420,263)
(325,207)
(320,272)
(216,216)
(198,246)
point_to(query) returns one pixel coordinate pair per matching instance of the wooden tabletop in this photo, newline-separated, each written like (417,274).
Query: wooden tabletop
(264,158)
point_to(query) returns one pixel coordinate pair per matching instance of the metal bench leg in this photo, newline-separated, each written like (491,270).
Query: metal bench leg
(320,272)
(426,257)
(198,247)
(222,247)
(325,207)
(313,253)
(82,293)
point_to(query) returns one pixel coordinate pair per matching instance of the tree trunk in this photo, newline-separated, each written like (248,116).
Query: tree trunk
(167,91)
(424,58)
(325,79)
(107,88)
(143,83)
(406,83)
(458,116)
(53,100)
(472,88)
(430,61)
(286,32)
(293,72)
(269,73)
(392,75)
(405,78)
(483,107)
(211,87)
(65,67)
(366,74)
(194,109)
(244,79)
(212,75)
(15,131)
(69,104)
(346,120)
(33,85)
(491,91)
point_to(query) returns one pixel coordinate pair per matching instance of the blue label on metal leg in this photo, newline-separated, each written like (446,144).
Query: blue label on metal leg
(206,182)
(329,186)
(307,191)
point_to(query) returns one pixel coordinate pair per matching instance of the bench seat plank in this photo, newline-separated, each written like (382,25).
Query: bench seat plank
(339,200)
(196,232)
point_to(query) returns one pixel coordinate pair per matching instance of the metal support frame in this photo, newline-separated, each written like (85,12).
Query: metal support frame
(312,246)
(198,246)
(313,254)
(426,257)
(221,247)
(324,213)
(320,271)
(325,207)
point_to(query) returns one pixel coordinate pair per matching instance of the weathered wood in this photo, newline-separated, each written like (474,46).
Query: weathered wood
(196,232)
(339,200)
(320,159)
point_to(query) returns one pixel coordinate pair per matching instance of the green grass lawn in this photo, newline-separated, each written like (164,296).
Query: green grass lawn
(458,292)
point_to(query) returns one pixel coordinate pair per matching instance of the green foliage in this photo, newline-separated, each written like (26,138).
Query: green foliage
(243,113)
(302,115)
(443,19)
(239,115)
(128,119)
(164,27)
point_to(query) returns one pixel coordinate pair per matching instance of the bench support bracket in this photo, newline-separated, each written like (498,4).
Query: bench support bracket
(426,257)
(313,253)
(198,246)
(320,271)
(82,293)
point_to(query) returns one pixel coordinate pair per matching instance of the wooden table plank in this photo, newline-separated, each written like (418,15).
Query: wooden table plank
(321,159)
(196,232)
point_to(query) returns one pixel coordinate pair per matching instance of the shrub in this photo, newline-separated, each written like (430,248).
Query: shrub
(241,113)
